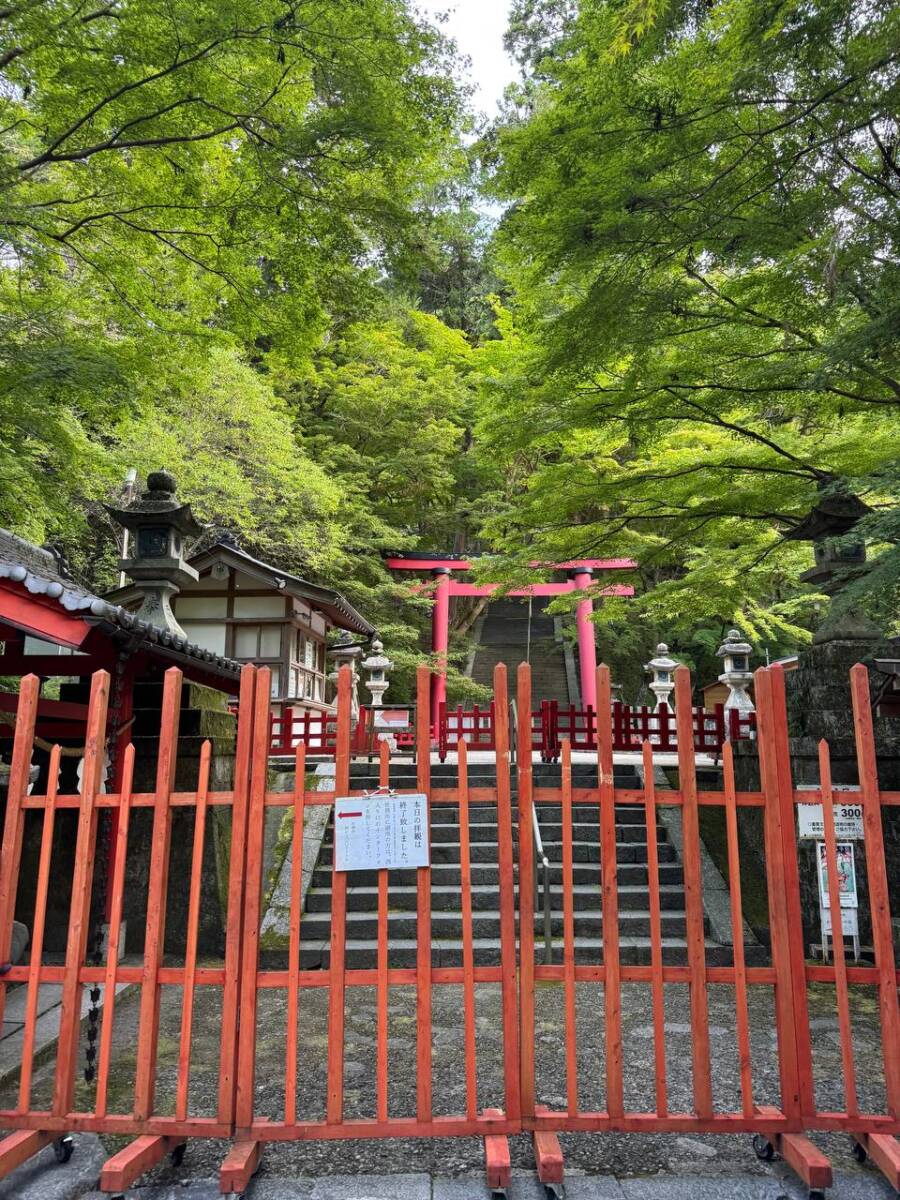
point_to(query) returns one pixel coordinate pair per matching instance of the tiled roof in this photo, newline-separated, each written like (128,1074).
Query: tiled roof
(38,571)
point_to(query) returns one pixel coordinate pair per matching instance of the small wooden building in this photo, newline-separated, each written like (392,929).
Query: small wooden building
(250,611)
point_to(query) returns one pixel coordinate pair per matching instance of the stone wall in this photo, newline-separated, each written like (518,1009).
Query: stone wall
(818,703)
(203,715)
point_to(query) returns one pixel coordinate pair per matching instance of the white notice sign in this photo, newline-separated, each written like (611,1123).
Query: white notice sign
(371,832)
(849,922)
(848,821)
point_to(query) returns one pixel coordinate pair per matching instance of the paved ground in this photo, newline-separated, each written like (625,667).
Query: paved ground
(48,1181)
(630,1167)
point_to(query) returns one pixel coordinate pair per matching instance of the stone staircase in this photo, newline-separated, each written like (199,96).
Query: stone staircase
(504,639)
(631,856)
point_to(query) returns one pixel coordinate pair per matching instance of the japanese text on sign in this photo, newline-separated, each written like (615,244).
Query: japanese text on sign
(380,831)
(848,821)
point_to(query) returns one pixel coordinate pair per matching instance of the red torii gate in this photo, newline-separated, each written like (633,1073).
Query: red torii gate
(580,576)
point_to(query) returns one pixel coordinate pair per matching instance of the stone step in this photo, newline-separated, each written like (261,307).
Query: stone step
(582,852)
(362,954)
(550,833)
(447,898)
(626,814)
(485,923)
(448,875)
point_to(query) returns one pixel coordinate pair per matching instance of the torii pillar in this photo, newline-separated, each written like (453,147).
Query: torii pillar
(581,577)
(440,637)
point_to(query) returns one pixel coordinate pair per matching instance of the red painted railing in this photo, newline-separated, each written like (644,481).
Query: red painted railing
(475,725)
(317,731)
(551,725)
(634,724)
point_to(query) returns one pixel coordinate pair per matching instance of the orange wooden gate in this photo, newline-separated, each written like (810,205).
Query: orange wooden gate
(124,1099)
(250,996)
(778,1110)
(341,984)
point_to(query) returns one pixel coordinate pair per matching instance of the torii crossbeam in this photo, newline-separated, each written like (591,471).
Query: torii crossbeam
(580,575)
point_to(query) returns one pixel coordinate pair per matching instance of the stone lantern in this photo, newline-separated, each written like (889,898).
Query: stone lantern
(345,650)
(378,665)
(159,524)
(662,675)
(735,655)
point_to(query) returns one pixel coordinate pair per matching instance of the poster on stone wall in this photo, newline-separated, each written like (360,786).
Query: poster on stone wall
(846,870)
(380,831)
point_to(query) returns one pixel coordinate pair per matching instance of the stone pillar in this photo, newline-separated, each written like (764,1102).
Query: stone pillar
(818,706)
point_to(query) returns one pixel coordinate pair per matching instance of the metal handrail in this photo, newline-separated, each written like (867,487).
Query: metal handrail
(540,859)
(541,862)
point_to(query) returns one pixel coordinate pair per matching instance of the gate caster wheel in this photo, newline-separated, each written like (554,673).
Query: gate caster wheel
(763,1148)
(555,1191)
(815,1194)
(63,1149)
(177,1156)
(858,1151)
(498,1194)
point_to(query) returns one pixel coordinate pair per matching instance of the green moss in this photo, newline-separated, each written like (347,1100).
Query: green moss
(221,825)
(754,899)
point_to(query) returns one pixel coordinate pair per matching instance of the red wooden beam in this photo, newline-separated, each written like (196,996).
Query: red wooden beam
(59,709)
(461,564)
(15,663)
(120,1171)
(39,617)
(458,587)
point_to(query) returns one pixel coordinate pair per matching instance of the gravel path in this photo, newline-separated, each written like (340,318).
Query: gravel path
(606,1154)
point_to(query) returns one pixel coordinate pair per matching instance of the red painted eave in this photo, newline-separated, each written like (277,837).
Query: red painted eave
(40,617)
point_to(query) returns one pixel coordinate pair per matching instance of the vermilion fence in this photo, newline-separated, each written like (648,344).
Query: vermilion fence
(592,996)
(124,1099)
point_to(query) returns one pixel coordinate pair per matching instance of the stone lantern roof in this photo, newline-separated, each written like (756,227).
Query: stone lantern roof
(160,504)
(155,558)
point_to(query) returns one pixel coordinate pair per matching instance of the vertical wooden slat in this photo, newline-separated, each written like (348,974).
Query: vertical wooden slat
(293,996)
(737,931)
(465,883)
(253,882)
(80,906)
(381,1001)
(837,935)
(336,969)
(155,933)
(37,933)
(612,987)
(509,982)
(568,882)
(423,905)
(693,896)
(193,923)
(526,891)
(797,949)
(656,956)
(879,895)
(777,896)
(117,901)
(13,824)
(235,914)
